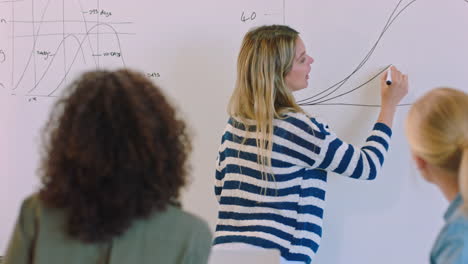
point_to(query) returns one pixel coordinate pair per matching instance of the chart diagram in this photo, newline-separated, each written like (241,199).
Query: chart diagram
(328,95)
(52,40)
(45,43)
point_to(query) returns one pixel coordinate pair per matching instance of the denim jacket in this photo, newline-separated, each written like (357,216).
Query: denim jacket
(451,246)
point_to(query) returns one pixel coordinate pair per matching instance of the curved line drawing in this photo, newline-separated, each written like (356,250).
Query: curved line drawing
(2,56)
(72,33)
(35,41)
(368,55)
(366,58)
(46,70)
(86,30)
(74,58)
(62,44)
(366,105)
(76,54)
(34,45)
(67,21)
(311,101)
(352,90)
(10,1)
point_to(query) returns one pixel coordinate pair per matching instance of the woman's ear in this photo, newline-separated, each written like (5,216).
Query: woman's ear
(421,164)
(424,168)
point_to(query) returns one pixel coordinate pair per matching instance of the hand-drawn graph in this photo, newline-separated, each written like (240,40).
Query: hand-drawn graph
(326,96)
(51,40)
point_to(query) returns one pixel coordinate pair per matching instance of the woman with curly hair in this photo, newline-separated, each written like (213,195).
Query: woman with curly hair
(113,165)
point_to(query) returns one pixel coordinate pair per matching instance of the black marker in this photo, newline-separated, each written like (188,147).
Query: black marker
(389,76)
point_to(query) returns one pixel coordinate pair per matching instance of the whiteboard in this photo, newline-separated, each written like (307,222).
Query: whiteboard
(190,49)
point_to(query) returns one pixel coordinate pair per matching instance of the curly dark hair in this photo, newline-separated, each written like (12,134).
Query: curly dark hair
(114,150)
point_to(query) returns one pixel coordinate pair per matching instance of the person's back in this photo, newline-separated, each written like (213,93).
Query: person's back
(274,158)
(113,165)
(171,236)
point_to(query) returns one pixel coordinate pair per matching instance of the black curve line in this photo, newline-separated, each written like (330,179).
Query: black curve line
(366,58)
(34,41)
(342,82)
(60,34)
(2,56)
(340,95)
(64,43)
(13,45)
(76,54)
(32,51)
(68,21)
(48,66)
(98,51)
(364,105)
(392,18)
(12,1)
(86,29)
(363,62)
(352,90)
(34,47)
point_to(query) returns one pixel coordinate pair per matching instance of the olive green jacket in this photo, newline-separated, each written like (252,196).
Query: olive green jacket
(172,236)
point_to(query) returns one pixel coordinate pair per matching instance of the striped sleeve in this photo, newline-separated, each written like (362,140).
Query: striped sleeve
(219,176)
(358,163)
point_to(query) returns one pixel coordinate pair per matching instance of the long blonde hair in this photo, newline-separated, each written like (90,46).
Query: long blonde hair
(266,56)
(437,130)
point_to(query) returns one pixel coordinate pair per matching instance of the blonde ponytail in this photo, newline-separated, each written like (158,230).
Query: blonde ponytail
(436,128)
(463,175)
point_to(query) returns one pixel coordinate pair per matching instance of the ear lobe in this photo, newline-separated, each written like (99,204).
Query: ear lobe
(420,163)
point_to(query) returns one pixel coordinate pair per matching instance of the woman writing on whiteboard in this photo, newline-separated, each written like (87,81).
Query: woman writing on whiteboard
(437,131)
(274,158)
(113,166)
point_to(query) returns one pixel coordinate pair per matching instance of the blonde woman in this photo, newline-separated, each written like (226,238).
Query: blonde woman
(437,131)
(274,158)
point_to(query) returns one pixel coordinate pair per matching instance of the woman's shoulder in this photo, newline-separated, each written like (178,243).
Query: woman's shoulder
(241,123)
(185,217)
(458,225)
(180,220)
(305,121)
(30,205)
(31,201)
(452,243)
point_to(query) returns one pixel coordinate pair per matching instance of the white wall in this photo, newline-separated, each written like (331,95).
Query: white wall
(193,46)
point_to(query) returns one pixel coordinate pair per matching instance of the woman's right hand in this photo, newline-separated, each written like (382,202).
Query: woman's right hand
(393,93)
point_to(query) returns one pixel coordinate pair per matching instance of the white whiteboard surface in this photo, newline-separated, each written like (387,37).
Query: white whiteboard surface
(190,48)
